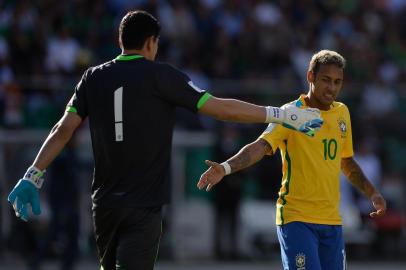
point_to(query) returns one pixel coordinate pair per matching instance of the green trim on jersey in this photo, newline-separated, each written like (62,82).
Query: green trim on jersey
(288,177)
(203,99)
(123,57)
(71,109)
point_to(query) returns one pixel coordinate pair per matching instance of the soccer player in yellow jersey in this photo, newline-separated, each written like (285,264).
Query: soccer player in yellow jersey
(308,219)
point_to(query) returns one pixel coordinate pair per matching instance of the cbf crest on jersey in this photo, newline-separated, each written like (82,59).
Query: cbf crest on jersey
(300,261)
(342,125)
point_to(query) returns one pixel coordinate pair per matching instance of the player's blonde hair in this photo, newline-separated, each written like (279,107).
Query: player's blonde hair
(326,57)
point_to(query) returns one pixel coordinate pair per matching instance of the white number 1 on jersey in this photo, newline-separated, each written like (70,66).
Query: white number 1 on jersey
(118,113)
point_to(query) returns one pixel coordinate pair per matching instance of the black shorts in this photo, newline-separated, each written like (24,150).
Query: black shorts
(127,238)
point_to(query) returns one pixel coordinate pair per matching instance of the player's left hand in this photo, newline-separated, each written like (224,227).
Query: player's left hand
(25,194)
(379,204)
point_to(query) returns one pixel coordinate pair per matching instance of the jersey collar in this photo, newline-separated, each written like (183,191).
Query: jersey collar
(128,57)
(301,103)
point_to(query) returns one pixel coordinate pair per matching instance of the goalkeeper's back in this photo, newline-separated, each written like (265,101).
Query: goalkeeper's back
(130,102)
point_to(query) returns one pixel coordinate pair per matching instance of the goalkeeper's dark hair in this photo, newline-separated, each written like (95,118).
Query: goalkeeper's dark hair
(135,27)
(326,57)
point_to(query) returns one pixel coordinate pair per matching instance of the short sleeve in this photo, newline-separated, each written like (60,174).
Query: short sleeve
(275,134)
(176,87)
(77,104)
(348,150)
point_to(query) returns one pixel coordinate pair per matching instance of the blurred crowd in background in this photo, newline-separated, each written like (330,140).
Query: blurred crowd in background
(256,50)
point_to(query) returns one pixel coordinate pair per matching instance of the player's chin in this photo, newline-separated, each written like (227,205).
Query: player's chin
(327,101)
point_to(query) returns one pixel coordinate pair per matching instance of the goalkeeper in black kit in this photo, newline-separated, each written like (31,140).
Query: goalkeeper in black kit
(130,102)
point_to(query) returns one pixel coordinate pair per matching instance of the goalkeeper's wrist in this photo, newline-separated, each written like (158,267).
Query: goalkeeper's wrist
(274,115)
(35,176)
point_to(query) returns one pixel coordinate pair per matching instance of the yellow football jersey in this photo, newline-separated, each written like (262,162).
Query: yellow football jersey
(310,189)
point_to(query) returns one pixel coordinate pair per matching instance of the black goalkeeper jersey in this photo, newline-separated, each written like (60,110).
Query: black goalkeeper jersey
(130,102)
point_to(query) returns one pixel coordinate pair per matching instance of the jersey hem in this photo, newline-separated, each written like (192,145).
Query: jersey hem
(347,156)
(312,221)
(96,206)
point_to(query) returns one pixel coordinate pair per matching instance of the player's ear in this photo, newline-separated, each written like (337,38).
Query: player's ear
(149,43)
(310,76)
(120,43)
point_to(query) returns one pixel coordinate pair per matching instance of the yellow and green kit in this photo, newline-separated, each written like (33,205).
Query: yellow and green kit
(310,188)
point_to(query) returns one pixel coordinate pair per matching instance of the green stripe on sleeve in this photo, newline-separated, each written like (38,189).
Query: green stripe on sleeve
(71,109)
(288,177)
(203,100)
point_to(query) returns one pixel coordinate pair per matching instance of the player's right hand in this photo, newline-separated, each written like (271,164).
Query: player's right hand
(307,120)
(212,176)
(25,194)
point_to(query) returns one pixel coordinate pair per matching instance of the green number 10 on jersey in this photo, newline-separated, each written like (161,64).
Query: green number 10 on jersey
(330,149)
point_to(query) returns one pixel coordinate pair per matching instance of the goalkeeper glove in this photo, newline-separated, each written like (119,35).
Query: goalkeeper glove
(307,121)
(25,193)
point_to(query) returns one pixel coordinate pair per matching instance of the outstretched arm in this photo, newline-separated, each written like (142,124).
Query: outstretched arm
(307,121)
(234,110)
(357,178)
(247,156)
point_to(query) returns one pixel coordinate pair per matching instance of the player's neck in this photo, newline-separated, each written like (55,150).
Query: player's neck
(139,52)
(312,102)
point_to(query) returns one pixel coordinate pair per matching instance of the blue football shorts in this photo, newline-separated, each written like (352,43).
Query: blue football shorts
(306,246)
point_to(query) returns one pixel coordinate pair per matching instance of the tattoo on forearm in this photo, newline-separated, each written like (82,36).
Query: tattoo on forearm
(249,155)
(356,177)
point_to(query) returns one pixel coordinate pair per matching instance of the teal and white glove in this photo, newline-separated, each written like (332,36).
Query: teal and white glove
(307,120)
(25,193)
